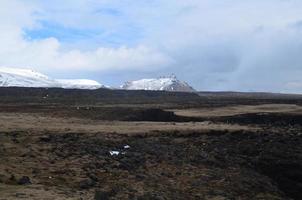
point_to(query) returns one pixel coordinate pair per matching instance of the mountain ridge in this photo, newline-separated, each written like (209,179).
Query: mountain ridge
(19,77)
(22,77)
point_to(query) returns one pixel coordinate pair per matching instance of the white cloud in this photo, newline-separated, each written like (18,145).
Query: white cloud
(17,50)
(293,87)
(47,54)
(214,44)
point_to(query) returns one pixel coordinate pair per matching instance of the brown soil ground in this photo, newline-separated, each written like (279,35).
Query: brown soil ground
(174,147)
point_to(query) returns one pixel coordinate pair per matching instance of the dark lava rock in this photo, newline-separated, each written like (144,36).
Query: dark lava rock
(20,195)
(45,139)
(87,183)
(101,195)
(92,176)
(150,196)
(140,177)
(25,180)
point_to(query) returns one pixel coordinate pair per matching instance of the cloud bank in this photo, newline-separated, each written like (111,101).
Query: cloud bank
(212,44)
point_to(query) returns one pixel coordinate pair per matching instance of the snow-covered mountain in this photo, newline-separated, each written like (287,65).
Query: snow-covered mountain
(170,83)
(80,84)
(16,77)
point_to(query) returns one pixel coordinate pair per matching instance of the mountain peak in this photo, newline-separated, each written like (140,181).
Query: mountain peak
(163,83)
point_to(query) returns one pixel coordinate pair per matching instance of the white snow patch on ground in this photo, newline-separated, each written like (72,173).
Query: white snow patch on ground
(114,153)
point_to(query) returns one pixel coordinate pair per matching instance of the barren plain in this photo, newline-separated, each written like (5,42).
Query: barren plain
(103,144)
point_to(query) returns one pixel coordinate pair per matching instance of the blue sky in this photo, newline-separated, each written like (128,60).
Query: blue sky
(251,45)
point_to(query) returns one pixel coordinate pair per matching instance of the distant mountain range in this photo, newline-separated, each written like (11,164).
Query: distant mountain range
(17,77)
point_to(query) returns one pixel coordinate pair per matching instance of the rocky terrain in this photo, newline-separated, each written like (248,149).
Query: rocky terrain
(148,145)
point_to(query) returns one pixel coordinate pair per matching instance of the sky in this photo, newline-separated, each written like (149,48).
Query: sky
(217,45)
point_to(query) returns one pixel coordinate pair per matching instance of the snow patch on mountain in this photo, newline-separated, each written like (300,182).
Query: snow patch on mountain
(80,84)
(169,83)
